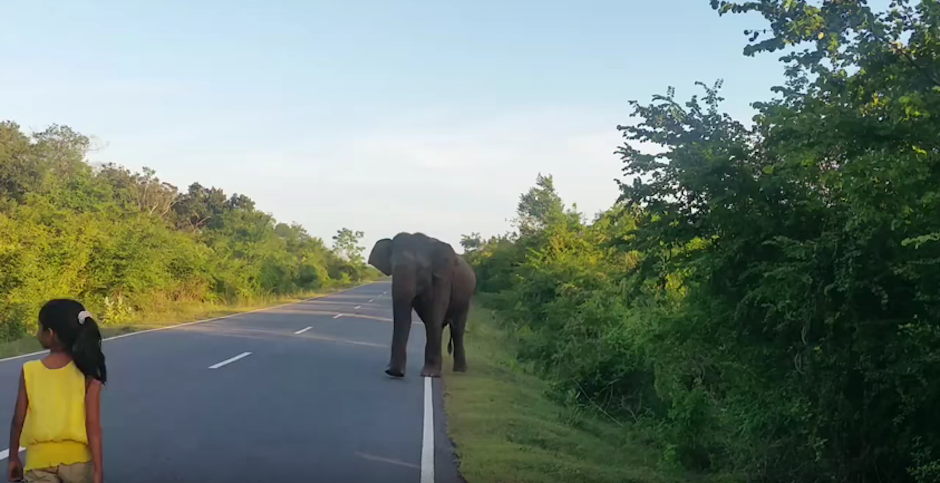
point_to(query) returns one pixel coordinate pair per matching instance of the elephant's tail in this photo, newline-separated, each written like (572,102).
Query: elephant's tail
(450,344)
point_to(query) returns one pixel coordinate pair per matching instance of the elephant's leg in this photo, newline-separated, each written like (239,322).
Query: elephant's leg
(402,303)
(435,309)
(457,327)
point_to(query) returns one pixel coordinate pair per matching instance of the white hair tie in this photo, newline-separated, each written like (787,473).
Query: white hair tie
(82,316)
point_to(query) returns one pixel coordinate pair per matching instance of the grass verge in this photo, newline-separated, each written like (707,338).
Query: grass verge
(171,314)
(506,429)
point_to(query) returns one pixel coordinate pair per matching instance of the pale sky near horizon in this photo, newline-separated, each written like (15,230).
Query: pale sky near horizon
(379,116)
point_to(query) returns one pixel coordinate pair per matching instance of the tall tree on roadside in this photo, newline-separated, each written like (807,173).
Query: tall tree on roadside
(539,206)
(808,243)
(346,245)
(471,242)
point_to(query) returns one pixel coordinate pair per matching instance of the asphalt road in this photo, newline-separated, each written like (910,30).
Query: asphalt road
(308,405)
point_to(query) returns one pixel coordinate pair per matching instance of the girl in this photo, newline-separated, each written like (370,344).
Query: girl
(59,401)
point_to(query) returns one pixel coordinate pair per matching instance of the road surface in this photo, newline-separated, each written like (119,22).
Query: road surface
(292,393)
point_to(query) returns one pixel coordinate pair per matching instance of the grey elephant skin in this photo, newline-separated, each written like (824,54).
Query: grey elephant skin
(429,277)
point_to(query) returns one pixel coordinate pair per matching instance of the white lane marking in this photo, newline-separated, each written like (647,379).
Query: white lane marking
(301,331)
(337,316)
(370,301)
(229,361)
(358,307)
(177,326)
(6,453)
(427,442)
(345,341)
(387,460)
(25,355)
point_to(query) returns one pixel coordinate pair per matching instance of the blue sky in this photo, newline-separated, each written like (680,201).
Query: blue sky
(377,115)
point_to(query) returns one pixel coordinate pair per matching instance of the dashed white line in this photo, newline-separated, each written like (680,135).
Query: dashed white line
(301,331)
(358,307)
(427,442)
(337,316)
(346,341)
(178,326)
(370,301)
(6,453)
(229,361)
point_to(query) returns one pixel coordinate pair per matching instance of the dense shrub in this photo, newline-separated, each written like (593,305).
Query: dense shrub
(767,297)
(123,241)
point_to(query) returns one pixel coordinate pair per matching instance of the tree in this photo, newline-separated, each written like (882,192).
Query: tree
(538,206)
(766,295)
(471,242)
(19,173)
(199,207)
(346,245)
(143,190)
(124,241)
(805,243)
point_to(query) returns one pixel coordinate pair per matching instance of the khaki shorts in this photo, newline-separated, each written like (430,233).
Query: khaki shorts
(77,473)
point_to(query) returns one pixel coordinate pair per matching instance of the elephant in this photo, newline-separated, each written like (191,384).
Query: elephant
(429,277)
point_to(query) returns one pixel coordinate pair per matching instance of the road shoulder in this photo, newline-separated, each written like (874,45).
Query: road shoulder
(505,427)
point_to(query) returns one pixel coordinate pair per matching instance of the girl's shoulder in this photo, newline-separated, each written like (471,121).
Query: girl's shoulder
(37,366)
(34,365)
(30,369)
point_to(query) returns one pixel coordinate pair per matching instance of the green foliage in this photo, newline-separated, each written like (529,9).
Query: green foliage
(472,241)
(540,206)
(505,429)
(122,241)
(346,244)
(766,297)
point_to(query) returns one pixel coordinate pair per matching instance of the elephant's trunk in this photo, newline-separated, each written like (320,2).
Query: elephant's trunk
(403,295)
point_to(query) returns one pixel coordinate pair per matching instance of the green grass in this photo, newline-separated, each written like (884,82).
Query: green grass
(506,429)
(171,313)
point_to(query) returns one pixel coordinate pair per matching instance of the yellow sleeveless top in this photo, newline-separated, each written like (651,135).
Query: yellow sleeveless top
(54,432)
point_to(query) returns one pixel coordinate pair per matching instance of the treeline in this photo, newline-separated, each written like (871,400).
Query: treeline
(123,241)
(765,298)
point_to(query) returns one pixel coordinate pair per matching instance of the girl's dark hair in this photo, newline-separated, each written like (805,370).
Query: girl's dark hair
(82,341)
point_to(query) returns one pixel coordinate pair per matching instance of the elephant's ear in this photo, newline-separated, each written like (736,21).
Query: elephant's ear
(381,256)
(443,259)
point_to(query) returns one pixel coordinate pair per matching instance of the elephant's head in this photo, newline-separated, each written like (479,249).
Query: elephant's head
(381,256)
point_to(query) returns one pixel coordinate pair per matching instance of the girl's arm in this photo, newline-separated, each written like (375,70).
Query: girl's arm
(93,425)
(14,465)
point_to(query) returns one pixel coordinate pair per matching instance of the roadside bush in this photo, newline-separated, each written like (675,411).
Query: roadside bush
(124,242)
(769,303)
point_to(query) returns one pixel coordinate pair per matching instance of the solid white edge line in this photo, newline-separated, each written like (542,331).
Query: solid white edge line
(301,331)
(427,442)
(186,324)
(6,453)
(229,361)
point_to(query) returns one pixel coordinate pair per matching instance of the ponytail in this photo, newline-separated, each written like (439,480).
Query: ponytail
(86,351)
(79,334)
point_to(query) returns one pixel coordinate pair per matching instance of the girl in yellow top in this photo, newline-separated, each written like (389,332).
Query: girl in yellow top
(58,408)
